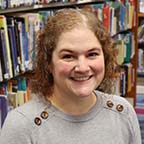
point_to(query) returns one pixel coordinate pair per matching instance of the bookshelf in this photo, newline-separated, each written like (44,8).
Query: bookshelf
(127,30)
(140,44)
(139,108)
(131,94)
(134,60)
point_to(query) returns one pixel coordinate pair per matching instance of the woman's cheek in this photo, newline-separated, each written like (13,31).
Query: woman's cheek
(64,68)
(99,66)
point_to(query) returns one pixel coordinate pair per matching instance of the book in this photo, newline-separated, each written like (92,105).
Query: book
(12,93)
(131,14)
(21,38)
(12,40)
(3,88)
(3,108)
(1,76)
(122,17)
(3,25)
(141,6)
(116,6)
(121,52)
(32,26)
(128,46)
(129,76)
(4,56)
(17,41)
(106,16)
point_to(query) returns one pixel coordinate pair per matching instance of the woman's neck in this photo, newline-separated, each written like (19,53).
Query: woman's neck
(75,106)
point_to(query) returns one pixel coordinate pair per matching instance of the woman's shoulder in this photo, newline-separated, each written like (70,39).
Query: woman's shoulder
(115,103)
(27,113)
(20,122)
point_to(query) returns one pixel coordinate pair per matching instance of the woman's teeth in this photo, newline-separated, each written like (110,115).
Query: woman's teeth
(81,78)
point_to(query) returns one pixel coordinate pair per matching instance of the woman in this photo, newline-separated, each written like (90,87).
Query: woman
(75,56)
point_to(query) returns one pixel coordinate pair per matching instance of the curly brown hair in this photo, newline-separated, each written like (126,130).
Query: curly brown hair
(65,20)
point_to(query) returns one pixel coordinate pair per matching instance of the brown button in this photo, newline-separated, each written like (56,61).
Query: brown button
(119,107)
(110,104)
(44,115)
(37,121)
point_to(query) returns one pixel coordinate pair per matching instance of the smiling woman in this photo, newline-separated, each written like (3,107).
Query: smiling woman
(75,56)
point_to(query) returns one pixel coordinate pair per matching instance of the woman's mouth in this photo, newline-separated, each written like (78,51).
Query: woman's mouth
(81,78)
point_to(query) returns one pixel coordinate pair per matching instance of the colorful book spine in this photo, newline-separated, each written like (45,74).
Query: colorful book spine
(12,40)
(3,25)
(3,108)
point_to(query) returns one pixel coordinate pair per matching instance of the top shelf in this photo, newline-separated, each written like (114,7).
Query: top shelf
(48,6)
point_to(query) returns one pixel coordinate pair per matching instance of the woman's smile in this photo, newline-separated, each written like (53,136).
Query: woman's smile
(81,78)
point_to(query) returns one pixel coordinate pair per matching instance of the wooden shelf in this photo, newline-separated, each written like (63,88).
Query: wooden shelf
(140,14)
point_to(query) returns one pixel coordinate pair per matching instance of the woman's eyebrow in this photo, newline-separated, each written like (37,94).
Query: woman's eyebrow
(95,49)
(65,50)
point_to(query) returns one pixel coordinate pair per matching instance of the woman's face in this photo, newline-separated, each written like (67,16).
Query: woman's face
(77,63)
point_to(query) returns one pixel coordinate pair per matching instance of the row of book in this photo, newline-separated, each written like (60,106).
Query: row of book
(125,44)
(13,94)
(18,42)
(4,4)
(18,35)
(141,46)
(117,16)
(124,80)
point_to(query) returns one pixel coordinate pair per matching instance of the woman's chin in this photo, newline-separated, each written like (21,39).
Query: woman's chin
(84,93)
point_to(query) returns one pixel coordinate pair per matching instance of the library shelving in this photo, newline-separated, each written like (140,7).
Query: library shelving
(118,16)
(140,44)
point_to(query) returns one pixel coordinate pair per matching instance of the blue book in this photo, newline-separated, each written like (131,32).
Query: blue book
(20,21)
(122,17)
(3,108)
(128,45)
(4,55)
(12,40)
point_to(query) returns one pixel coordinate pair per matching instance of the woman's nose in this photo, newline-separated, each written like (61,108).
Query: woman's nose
(82,65)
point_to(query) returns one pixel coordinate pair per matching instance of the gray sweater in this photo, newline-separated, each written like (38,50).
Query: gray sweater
(111,121)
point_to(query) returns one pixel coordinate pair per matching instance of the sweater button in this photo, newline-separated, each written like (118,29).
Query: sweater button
(37,121)
(44,115)
(119,107)
(110,104)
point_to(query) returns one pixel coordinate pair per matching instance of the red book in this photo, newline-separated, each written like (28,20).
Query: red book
(139,110)
(106,16)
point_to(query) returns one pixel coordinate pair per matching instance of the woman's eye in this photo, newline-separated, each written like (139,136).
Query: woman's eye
(92,55)
(68,57)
